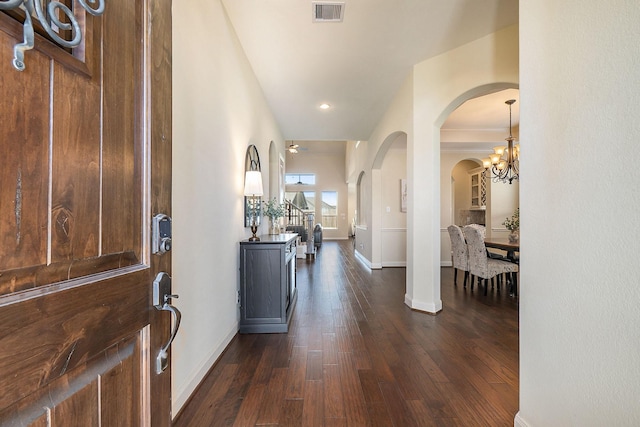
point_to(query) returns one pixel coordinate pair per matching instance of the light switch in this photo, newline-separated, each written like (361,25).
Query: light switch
(388,209)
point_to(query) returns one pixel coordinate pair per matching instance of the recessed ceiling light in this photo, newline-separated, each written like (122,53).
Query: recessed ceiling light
(325,106)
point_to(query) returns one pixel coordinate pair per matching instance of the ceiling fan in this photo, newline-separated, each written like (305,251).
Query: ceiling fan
(293,148)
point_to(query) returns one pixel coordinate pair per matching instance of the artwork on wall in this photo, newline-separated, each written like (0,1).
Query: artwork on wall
(403,195)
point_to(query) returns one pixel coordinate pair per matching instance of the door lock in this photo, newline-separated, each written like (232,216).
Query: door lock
(162,301)
(161,240)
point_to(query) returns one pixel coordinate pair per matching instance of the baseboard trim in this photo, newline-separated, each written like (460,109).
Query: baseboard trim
(519,422)
(362,258)
(430,308)
(181,397)
(394,264)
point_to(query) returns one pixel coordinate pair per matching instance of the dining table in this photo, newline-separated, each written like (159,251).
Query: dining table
(505,244)
(511,247)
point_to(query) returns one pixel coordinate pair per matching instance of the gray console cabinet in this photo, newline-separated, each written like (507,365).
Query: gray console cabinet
(267,283)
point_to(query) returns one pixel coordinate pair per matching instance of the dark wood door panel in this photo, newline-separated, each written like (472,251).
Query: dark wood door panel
(75,159)
(103,391)
(43,338)
(122,101)
(24,135)
(22,279)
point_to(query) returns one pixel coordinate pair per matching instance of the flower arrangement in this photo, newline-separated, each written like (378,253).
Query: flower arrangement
(513,223)
(273,209)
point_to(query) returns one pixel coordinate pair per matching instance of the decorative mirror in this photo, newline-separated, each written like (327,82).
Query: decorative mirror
(252,190)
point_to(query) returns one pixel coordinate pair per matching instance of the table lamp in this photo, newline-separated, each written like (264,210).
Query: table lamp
(253,190)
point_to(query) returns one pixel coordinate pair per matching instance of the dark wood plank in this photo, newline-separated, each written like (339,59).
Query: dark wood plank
(297,373)
(329,349)
(248,412)
(209,396)
(333,400)
(354,404)
(313,409)
(269,412)
(314,366)
(397,405)
(292,413)
(355,354)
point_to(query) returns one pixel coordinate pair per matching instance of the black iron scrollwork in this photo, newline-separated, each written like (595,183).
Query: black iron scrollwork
(49,20)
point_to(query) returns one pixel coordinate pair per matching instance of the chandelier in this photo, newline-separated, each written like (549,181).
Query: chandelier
(293,148)
(505,161)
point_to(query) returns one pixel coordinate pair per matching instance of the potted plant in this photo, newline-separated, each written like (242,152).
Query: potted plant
(513,225)
(274,211)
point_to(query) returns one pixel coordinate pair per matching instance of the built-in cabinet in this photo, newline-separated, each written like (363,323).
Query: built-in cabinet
(478,189)
(267,283)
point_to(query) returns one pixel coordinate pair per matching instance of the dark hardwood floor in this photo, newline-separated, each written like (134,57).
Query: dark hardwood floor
(356,355)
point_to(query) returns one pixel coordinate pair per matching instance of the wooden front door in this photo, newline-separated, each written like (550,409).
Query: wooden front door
(85,163)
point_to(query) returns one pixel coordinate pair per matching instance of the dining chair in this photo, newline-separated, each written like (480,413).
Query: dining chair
(483,232)
(480,264)
(460,254)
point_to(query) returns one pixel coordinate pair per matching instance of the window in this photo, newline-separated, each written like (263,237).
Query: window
(330,209)
(304,200)
(300,179)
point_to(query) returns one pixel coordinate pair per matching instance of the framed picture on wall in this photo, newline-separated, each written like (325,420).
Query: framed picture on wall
(403,195)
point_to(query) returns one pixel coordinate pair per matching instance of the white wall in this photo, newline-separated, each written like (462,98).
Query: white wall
(579,199)
(394,222)
(505,198)
(218,110)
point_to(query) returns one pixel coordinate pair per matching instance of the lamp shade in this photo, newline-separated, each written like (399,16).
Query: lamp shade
(253,183)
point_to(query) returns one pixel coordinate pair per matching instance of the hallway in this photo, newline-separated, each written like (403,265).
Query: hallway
(356,355)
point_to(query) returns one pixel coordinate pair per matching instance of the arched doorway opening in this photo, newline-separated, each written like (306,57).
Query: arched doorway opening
(388,220)
(467,196)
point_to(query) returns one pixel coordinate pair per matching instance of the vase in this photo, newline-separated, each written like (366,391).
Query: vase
(514,236)
(274,226)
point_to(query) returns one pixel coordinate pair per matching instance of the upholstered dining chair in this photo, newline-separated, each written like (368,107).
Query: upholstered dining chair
(480,264)
(460,254)
(483,231)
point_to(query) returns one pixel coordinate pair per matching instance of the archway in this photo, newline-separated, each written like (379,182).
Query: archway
(491,202)
(381,202)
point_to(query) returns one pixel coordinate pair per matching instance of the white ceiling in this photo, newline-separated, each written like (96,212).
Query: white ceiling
(357,65)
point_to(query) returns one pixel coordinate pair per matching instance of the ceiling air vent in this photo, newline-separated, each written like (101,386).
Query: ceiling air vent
(327,11)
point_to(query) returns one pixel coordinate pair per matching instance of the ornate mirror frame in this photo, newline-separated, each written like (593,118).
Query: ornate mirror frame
(252,163)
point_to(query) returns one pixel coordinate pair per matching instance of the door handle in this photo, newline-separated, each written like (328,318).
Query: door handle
(162,301)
